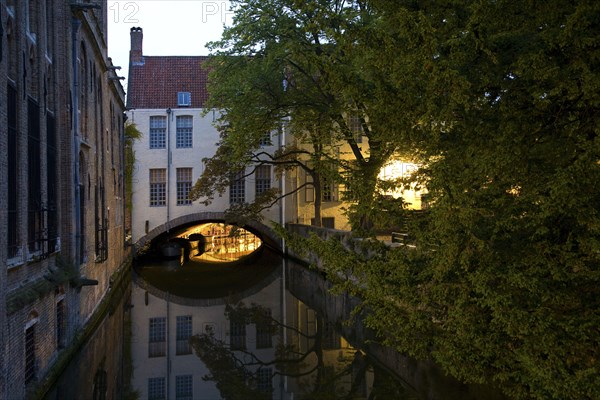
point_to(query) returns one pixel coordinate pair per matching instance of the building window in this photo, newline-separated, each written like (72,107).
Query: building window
(32,17)
(309,189)
(264,378)
(328,190)
(101,222)
(184,332)
(30,357)
(263,178)
(264,332)
(237,334)
(158,129)
(184,185)
(49,27)
(35,218)
(184,99)
(158,187)
(183,387)
(355,126)
(52,214)
(237,189)
(100,385)
(60,323)
(265,140)
(326,222)
(157,344)
(330,338)
(184,132)
(13,178)
(359,381)
(156,389)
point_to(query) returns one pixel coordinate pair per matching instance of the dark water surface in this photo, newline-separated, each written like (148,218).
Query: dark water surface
(259,328)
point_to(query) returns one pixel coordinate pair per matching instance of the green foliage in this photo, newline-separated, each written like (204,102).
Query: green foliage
(286,66)
(499,102)
(131,135)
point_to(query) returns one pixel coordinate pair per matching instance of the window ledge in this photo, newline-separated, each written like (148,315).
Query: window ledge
(15,262)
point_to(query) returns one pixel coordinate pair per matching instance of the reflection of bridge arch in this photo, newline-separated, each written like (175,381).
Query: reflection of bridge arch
(265,233)
(247,288)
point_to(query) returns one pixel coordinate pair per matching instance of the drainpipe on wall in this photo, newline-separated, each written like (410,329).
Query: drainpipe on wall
(75,24)
(168,167)
(123,183)
(284,385)
(168,340)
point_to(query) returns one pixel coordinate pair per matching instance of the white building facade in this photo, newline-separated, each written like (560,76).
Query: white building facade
(165,101)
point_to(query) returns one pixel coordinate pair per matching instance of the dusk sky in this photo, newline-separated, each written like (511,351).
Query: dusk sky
(180,27)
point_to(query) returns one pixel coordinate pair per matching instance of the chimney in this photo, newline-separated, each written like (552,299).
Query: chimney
(135,54)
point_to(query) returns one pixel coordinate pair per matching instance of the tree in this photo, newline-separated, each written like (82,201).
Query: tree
(284,60)
(498,101)
(502,287)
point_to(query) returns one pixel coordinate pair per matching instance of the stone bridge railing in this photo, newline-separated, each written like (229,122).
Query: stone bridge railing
(312,288)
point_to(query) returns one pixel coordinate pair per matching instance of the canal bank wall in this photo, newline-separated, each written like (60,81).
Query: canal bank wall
(103,375)
(423,376)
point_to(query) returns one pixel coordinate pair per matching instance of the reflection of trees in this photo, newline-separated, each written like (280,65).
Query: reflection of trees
(237,372)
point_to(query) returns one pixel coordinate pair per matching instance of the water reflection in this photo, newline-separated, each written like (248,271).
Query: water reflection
(201,332)
(259,328)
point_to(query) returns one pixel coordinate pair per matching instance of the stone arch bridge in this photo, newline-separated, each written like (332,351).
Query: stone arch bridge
(266,233)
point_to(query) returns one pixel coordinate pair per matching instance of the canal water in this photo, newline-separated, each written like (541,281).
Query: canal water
(256,327)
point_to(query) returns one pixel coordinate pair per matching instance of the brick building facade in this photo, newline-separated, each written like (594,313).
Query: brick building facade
(62,203)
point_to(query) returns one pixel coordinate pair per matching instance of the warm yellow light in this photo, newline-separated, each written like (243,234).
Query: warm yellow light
(397,169)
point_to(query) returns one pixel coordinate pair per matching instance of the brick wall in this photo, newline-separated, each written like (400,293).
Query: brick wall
(37,60)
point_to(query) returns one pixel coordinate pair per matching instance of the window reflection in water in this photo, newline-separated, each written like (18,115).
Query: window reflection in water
(254,343)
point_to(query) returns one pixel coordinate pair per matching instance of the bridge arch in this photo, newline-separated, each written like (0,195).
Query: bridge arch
(266,233)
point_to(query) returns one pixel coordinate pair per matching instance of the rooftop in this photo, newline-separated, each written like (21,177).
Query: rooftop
(155,81)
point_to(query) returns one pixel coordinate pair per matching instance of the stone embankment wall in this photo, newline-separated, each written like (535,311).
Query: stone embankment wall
(427,379)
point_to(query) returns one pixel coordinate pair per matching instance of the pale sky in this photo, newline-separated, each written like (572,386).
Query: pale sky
(171,27)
